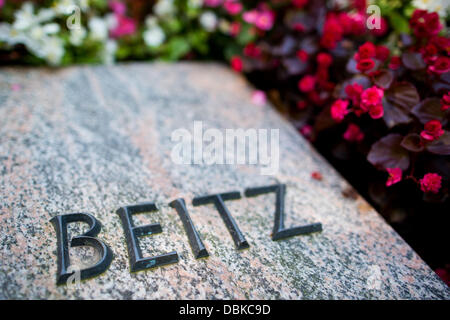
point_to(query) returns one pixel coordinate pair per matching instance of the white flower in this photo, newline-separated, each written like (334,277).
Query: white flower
(53,50)
(64,7)
(208,20)
(39,32)
(98,28)
(77,36)
(24,17)
(154,36)
(164,8)
(151,21)
(439,6)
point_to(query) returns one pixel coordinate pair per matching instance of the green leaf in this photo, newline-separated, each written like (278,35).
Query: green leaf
(177,47)
(399,22)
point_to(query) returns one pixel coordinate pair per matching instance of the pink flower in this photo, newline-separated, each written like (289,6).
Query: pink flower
(233,7)
(236,63)
(353,133)
(445,101)
(306,131)
(354,92)
(432,130)
(2,3)
(125,26)
(307,83)
(371,97)
(376,111)
(339,110)
(379,32)
(395,175)
(259,97)
(264,20)
(302,55)
(440,65)
(213,3)
(118,7)
(15,86)
(431,182)
(250,16)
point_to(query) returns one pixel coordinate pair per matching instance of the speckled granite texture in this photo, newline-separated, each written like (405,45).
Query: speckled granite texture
(92,139)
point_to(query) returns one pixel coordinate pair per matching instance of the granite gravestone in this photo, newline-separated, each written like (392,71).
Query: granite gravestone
(98,140)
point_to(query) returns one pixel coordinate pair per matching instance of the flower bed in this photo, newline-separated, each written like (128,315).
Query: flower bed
(372,93)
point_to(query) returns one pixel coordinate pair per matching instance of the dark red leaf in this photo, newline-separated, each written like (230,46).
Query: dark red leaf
(394,116)
(429,109)
(403,95)
(383,78)
(324,120)
(413,60)
(294,66)
(412,142)
(441,146)
(388,153)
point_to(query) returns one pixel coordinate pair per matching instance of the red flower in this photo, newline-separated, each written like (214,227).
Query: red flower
(324,59)
(251,50)
(316,175)
(395,63)
(382,53)
(444,275)
(353,133)
(440,65)
(306,131)
(425,24)
(235,28)
(307,83)
(236,63)
(371,97)
(445,101)
(299,3)
(339,110)
(302,55)
(332,32)
(431,182)
(365,65)
(366,51)
(376,111)
(395,175)
(299,27)
(432,131)
(354,92)
(301,104)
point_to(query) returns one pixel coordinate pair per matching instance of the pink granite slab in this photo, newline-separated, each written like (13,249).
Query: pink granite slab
(92,139)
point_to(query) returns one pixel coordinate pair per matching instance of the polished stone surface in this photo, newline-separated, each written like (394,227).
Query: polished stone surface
(94,139)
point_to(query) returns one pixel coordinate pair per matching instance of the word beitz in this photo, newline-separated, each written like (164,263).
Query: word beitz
(132,232)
